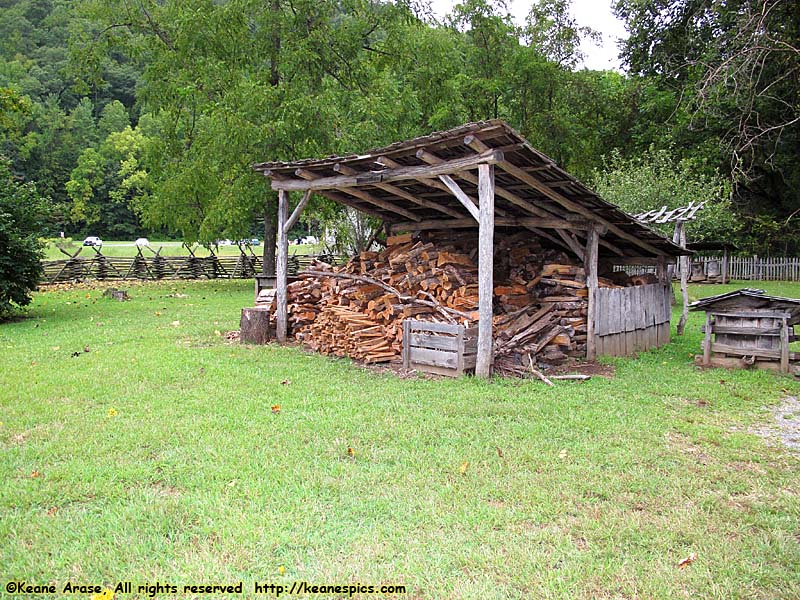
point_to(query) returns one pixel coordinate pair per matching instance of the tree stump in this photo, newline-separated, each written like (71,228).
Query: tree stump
(254,325)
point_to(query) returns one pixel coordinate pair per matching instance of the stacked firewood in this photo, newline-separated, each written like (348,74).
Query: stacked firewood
(540,299)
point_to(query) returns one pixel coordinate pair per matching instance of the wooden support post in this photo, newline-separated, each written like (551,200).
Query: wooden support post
(725,264)
(590,266)
(784,345)
(406,344)
(685,266)
(282,260)
(707,342)
(662,271)
(483,363)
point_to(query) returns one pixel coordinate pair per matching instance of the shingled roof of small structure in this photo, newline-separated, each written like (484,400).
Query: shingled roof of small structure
(759,300)
(406,184)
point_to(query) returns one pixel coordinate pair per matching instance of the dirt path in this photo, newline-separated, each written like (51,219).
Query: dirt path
(785,429)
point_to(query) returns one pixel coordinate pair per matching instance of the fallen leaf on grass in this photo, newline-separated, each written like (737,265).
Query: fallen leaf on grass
(281,570)
(687,561)
(463,468)
(217,332)
(286,382)
(350,452)
(175,323)
(276,408)
(562,455)
(51,512)
(499,452)
(35,474)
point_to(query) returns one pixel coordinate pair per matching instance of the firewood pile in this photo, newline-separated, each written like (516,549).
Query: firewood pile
(357,310)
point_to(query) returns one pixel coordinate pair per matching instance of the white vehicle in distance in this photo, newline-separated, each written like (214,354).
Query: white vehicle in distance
(224,243)
(93,240)
(141,242)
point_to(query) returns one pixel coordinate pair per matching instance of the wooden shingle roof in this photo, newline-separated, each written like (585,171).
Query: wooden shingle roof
(428,182)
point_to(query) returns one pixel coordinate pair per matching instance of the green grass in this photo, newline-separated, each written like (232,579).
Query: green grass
(167,249)
(159,458)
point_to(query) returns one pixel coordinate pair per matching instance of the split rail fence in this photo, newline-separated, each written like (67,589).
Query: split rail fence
(102,267)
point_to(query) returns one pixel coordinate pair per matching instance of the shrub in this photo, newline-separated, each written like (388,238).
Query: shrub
(22,216)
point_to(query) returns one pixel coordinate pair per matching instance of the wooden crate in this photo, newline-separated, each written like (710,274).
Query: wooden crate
(760,335)
(439,347)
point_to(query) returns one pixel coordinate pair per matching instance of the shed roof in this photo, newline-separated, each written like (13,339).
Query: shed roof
(748,298)
(427,182)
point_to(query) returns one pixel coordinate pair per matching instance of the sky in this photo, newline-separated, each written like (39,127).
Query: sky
(593,13)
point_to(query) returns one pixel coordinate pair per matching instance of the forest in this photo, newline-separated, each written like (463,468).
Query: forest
(144,117)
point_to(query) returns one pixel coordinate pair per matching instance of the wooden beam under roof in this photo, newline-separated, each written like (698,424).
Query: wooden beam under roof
(465,200)
(362,195)
(465,223)
(477,145)
(400,192)
(385,161)
(348,181)
(432,159)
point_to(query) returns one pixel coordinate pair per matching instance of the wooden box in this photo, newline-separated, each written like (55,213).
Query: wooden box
(439,348)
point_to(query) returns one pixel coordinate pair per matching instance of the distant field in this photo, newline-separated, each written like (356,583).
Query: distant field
(126,248)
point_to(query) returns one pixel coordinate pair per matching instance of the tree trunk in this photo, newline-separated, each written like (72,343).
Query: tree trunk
(270,238)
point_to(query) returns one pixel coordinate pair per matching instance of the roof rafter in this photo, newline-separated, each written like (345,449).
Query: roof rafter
(400,192)
(489,157)
(477,145)
(362,195)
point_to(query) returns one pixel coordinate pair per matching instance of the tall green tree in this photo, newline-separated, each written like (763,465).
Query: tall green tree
(733,69)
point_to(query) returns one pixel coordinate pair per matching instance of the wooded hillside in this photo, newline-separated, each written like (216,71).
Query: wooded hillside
(146,116)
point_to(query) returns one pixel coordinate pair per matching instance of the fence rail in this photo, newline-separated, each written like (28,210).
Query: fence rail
(769,268)
(755,268)
(101,267)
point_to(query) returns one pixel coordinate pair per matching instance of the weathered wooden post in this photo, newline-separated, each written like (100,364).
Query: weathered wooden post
(283,254)
(680,233)
(485,269)
(590,266)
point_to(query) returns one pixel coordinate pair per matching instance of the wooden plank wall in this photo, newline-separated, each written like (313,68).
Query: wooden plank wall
(439,348)
(632,319)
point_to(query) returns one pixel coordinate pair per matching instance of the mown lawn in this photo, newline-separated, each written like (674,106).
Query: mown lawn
(156,456)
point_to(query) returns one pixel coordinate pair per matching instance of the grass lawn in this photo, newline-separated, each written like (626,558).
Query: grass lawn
(155,456)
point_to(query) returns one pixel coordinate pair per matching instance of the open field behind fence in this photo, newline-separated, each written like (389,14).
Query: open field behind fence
(101,267)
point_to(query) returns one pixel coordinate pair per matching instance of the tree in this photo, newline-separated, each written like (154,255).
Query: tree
(733,69)
(231,83)
(22,217)
(657,179)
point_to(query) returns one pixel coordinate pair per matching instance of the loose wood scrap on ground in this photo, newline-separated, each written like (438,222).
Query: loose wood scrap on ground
(357,310)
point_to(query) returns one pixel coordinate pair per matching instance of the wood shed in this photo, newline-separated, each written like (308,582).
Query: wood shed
(480,193)
(748,328)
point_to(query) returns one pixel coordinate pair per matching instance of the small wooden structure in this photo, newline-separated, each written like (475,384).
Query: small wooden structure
(748,328)
(439,348)
(711,271)
(480,176)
